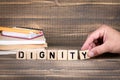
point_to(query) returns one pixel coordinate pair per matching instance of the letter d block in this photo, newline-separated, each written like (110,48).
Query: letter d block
(72,55)
(21,55)
(83,54)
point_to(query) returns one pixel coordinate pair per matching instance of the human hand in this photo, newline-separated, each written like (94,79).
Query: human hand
(104,39)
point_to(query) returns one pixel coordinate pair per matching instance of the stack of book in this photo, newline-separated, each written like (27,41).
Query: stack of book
(18,38)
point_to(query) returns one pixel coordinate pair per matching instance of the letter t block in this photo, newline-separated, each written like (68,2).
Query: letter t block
(72,55)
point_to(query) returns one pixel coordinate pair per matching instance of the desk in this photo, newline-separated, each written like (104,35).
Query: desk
(65,27)
(98,68)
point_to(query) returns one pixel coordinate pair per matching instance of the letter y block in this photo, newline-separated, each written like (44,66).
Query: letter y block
(83,54)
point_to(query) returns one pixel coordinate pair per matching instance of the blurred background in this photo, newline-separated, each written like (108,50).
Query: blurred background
(66,23)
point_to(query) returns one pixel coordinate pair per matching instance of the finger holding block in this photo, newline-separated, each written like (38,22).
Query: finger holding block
(52,54)
(72,55)
(21,55)
(83,54)
(62,54)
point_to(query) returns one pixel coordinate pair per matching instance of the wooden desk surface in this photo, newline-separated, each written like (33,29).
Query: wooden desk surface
(97,68)
(66,25)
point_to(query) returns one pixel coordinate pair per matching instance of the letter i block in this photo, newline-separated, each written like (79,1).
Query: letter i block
(41,55)
(62,54)
(72,55)
(52,54)
(31,55)
(83,54)
(21,55)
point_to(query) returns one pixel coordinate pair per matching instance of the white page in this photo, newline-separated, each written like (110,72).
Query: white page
(12,41)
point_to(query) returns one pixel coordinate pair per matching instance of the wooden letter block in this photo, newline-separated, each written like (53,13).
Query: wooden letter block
(21,55)
(62,54)
(41,54)
(83,54)
(31,55)
(72,55)
(52,54)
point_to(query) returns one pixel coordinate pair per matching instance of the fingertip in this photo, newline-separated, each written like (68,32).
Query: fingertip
(85,46)
(82,48)
(90,54)
(97,50)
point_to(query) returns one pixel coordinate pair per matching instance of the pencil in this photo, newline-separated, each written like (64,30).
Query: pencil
(18,30)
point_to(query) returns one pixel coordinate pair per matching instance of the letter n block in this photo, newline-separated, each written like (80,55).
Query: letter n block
(72,55)
(21,55)
(83,54)
(62,54)
(52,54)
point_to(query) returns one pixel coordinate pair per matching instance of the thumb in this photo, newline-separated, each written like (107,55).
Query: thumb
(98,50)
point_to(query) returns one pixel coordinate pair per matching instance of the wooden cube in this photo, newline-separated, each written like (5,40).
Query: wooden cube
(41,55)
(31,55)
(72,55)
(21,55)
(83,54)
(52,54)
(62,54)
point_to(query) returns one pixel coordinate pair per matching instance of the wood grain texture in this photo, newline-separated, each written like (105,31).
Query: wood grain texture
(66,24)
(86,69)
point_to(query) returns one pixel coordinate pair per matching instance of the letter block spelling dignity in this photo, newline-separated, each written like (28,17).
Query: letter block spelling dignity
(72,55)
(52,55)
(41,55)
(62,55)
(83,54)
(21,55)
(31,55)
